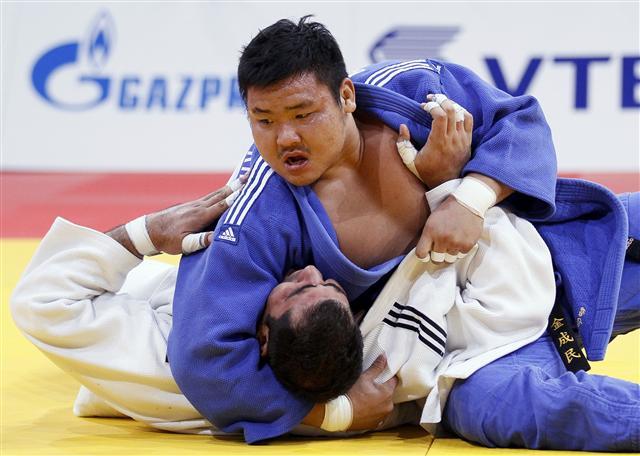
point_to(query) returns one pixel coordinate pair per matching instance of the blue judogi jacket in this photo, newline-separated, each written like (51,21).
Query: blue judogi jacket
(274,226)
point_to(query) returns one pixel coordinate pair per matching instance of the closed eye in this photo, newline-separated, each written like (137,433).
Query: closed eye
(301,289)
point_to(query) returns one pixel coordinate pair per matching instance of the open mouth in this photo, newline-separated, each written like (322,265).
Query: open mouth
(295,161)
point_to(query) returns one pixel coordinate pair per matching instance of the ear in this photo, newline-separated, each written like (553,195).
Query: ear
(263,339)
(348,95)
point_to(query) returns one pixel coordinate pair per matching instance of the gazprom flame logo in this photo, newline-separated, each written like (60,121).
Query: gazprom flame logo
(100,41)
(77,63)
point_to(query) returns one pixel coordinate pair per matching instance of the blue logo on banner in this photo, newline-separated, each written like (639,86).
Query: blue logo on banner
(68,54)
(426,41)
(87,60)
(411,42)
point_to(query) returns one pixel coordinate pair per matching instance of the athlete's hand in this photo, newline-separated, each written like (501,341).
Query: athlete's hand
(448,147)
(178,229)
(372,402)
(450,232)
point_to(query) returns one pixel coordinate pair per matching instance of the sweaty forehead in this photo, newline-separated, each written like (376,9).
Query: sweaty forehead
(287,94)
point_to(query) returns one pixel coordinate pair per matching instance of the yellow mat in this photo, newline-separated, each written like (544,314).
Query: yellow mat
(36,416)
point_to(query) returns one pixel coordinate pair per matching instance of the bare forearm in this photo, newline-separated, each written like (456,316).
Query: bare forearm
(119,234)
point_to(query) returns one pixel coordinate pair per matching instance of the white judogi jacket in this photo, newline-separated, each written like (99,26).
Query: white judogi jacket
(438,323)
(73,303)
(103,316)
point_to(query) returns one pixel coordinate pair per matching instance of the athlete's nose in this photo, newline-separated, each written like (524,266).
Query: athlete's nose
(310,274)
(288,138)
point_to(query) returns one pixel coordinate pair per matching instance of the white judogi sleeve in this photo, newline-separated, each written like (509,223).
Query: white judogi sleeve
(72,302)
(438,323)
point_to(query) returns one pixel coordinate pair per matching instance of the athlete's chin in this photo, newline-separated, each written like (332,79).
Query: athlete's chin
(300,177)
(299,181)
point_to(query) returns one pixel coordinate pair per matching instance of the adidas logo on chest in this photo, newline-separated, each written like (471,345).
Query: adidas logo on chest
(228,234)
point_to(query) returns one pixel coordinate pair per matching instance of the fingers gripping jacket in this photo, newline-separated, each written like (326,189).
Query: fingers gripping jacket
(236,188)
(235,185)
(438,99)
(338,414)
(137,231)
(406,150)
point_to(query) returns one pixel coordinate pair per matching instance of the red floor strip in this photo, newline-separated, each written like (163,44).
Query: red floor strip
(31,201)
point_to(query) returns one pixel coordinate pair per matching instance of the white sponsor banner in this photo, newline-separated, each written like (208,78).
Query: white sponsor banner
(151,86)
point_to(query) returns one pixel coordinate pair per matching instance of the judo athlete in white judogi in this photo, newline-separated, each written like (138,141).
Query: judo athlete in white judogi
(104,316)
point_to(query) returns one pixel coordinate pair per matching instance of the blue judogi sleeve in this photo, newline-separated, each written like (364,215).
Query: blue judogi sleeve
(512,141)
(219,299)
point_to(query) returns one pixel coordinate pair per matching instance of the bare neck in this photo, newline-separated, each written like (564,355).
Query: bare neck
(375,204)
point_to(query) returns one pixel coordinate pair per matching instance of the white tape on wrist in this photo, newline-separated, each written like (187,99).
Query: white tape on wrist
(338,414)
(408,155)
(475,195)
(137,231)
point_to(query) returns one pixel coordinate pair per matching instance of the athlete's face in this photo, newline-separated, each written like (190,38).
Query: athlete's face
(299,290)
(299,128)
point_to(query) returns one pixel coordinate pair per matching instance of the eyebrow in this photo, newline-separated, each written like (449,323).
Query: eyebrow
(304,287)
(301,105)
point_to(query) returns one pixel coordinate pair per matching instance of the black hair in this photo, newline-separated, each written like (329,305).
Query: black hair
(287,49)
(318,357)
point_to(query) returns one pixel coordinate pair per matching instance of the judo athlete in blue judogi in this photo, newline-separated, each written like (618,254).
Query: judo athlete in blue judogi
(295,210)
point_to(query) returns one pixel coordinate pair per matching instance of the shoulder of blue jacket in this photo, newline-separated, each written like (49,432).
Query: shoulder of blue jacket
(383,73)
(264,196)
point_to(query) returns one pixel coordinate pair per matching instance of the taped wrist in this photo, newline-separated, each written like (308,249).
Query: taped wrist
(139,236)
(338,414)
(475,195)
